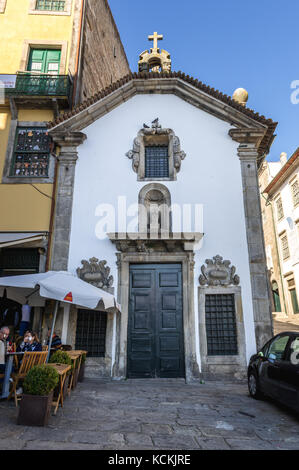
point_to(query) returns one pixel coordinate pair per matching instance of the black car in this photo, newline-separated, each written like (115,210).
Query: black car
(274,370)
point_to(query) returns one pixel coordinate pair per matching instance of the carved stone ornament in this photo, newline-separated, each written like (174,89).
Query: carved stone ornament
(156,135)
(96,273)
(218,273)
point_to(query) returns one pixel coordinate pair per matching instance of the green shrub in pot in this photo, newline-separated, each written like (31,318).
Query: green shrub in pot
(41,380)
(60,357)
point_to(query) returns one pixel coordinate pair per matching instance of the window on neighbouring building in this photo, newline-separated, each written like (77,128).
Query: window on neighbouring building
(52,5)
(221,326)
(44,61)
(31,152)
(156,162)
(295,192)
(294,300)
(284,247)
(276,298)
(279,209)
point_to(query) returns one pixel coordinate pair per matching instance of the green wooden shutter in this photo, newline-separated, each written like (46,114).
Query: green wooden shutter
(44,60)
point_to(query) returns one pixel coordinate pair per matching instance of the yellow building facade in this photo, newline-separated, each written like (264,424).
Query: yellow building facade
(44,62)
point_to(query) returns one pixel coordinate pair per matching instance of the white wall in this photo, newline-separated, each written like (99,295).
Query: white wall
(210,175)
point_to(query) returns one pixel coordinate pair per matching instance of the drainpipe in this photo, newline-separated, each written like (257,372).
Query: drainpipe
(51,225)
(78,56)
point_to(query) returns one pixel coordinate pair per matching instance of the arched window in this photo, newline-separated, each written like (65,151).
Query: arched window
(276,298)
(155,210)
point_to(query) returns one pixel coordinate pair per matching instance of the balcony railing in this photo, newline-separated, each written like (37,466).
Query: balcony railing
(42,85)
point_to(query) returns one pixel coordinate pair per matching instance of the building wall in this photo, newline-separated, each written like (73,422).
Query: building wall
(269,229)
(210,175)
(289,225)
(103,56)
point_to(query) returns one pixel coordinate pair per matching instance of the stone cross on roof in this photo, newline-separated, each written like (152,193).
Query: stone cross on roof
(155,37)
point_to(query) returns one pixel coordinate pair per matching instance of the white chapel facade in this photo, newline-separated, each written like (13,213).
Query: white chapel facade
(158,202)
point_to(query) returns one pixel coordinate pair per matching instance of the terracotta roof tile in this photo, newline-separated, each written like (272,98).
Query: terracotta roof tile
(194,82)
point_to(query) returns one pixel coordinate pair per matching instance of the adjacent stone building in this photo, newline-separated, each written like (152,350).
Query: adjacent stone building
(279,187)
(158,202)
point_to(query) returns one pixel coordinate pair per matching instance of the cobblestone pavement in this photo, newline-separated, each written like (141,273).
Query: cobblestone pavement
(156,414)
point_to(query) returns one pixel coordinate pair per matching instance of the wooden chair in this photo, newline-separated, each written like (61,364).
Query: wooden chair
(30,359)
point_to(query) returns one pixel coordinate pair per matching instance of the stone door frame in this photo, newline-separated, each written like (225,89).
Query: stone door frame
(189,322)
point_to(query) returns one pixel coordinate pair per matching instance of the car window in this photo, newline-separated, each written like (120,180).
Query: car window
(293,353)
(277,348)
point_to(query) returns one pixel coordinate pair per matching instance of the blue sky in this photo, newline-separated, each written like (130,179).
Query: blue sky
(226,44)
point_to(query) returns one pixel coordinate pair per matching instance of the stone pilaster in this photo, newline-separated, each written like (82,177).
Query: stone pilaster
(67,158)
(249,140)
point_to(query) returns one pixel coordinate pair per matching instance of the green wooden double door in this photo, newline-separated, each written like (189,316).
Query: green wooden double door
(44,61)
(155,324)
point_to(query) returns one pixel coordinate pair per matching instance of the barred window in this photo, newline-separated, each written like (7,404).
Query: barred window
(31,153)
(285,247)
(295,193)
(221,326)
(156,162)
(279,209)
(91,332)
(51,5)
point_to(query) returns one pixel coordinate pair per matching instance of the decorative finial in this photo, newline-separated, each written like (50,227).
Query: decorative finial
(241,96)
(155,60)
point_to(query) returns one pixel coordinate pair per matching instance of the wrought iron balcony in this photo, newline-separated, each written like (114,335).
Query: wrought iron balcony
(41,85)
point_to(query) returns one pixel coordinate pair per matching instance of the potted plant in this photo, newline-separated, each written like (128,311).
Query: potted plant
(37,398)
(82,368)
(61,357)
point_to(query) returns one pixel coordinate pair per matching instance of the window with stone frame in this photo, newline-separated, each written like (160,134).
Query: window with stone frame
(156,153)
(31,153)
(2,6)
(50,5)
(221,328)
(295,192)
(284,246)
(279,209)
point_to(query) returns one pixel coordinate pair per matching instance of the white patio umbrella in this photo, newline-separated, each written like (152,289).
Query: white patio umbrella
(62,286)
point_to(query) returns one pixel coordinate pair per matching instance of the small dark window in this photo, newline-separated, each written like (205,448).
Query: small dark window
(221,325)
(156,162)
(18,261)
(31,153)
(51,5)
(91,332)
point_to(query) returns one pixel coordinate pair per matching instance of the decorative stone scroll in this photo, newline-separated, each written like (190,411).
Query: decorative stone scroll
(96,273)
(156,135)
(218,273)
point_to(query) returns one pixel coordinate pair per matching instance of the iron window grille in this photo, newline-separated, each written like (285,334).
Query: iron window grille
(221,326)
(50,5)
(91,332)
(156,162)
(31,153)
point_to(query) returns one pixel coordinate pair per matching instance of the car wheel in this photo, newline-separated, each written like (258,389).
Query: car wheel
(253,385)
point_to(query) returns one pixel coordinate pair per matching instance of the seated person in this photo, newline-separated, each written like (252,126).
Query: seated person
(2,352)
(31,343)
(56,341)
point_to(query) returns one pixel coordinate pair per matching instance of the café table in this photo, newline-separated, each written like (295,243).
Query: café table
(74,355)
(8,368)
(62,370)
